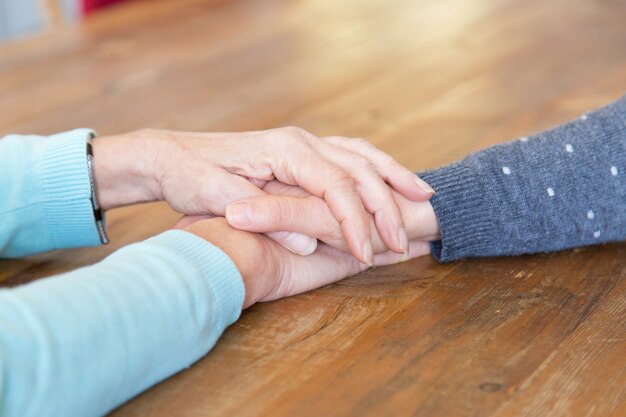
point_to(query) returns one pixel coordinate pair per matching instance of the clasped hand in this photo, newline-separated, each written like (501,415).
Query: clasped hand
(287,183)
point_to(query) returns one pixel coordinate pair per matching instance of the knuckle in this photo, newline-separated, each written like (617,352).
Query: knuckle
(362,143)
(296,136)
(354,264)
(296,132)
(387,159)
(390,160)
(293,129)
(361,161)
(337,140)
(278,211)
(342,180)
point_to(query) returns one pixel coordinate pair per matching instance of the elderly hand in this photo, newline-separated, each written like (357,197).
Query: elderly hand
(270,272)
(202,173)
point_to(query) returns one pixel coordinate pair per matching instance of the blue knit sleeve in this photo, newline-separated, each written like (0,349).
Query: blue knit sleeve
(45,194)
(557,189)
(82,343)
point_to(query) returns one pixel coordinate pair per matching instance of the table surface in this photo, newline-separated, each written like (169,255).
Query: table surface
(426,81)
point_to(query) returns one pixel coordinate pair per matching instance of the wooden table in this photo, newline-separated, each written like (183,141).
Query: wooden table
(427,81)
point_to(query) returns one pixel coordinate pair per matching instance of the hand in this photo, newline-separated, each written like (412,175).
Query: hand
(270,272)
(292,208)
(201,173)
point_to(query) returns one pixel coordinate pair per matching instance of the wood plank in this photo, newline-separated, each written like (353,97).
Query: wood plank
(563,384)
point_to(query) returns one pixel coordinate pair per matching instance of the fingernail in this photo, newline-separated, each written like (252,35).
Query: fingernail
(403,241)
(368,253)
(424,185)
(237,214)
(405,257)
(300,244)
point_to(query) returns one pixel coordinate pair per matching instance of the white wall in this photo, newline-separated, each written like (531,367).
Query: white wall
(23,17)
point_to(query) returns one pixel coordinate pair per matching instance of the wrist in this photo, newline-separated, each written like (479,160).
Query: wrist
(420,220)
(249,252)
(123,170)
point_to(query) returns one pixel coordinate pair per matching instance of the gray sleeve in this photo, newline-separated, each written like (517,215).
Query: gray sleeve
(558,189)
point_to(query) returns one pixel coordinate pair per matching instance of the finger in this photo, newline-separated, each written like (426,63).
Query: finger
(235,188)
(187,220)
(328,265)
(307,216)
(419,218)
(325,266)
(279,188)
(416,248)
(297,243)
(401,179)
(256,182)
(226,188)
(324,179)
(375,194)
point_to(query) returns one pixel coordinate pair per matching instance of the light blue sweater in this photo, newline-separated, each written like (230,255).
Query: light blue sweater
(81,343)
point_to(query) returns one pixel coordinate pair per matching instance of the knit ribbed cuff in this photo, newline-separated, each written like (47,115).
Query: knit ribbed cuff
(67,190)
(221,274)
(462,212)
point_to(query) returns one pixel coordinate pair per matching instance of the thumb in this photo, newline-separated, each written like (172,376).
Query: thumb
(271,213)
(240,188)
(278,216)
(295,242)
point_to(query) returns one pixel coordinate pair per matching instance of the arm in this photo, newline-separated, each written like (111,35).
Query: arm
(81,343)
(558,189)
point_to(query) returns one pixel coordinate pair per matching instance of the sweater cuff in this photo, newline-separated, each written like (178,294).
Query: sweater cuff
(222,277)
(462,212)
(67,190)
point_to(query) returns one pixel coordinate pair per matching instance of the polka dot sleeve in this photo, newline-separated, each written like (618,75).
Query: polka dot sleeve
(555,190)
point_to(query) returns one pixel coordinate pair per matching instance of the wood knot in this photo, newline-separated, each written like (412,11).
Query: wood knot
(490,387)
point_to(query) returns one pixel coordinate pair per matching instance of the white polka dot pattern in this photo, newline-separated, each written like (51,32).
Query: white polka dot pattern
(550,190)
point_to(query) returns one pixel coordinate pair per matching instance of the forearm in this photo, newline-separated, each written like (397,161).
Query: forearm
(124,169)
(84,342)
(558,189)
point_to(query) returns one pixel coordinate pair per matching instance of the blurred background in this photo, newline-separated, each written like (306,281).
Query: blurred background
(427,81)
(19,18)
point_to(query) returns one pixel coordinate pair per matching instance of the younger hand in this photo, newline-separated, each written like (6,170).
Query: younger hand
(292,208)
(270,272)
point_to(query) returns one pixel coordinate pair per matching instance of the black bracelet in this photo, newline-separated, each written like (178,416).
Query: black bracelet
(97,213)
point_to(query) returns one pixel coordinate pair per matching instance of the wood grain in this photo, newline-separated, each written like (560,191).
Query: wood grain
(427,82)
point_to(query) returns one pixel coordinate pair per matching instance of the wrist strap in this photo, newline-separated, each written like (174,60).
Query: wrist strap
(97,213)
